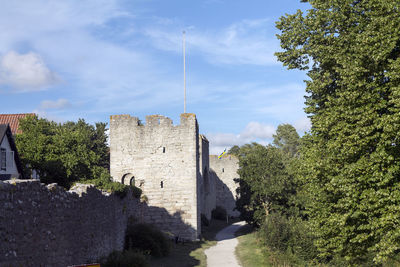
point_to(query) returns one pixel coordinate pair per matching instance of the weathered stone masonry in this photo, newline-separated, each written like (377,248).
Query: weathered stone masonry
(163,160)
(225,168)
(171,164)
(47,226)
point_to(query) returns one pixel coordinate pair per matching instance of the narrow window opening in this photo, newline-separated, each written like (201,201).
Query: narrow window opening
(162,184)
(3,156)
(223,170)
(163,150)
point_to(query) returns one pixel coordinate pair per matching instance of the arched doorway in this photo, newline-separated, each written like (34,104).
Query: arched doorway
(128,179)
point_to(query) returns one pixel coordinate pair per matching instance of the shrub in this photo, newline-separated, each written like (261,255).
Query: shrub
(147,238)
(275,232)
(219,213)
(288,235)
(136,191)
(103,181)
(128,258)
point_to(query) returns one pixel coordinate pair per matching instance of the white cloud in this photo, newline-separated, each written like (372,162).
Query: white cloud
(25,72)
(224,139)
(253,132)
(50,117)
(244,42)
(302,125)
(258,130)
(58,104)
(97,68)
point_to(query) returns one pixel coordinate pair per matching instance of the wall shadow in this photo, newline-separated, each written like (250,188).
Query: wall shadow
(224,195)
(184,254)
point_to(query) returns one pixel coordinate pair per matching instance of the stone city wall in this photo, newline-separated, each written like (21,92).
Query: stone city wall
(225,168)
(48,226)
(207,183)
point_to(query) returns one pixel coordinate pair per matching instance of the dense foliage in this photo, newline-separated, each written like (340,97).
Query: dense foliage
(147,238)
(287,139)
(265,184)
(66,153)
(271,194)
(351,52)
(127,258)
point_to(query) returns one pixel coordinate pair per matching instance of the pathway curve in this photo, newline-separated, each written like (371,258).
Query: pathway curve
(223,254)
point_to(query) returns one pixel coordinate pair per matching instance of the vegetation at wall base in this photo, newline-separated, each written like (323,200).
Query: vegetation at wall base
(147,238)
(191,253)
(127,258)
(136,191)
(108,185)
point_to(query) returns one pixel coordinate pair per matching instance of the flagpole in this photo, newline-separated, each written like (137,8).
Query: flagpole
(184,72)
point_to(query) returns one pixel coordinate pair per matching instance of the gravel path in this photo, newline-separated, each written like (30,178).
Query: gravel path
(223,254)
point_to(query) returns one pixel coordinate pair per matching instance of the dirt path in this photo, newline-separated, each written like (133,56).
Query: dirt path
(223,254)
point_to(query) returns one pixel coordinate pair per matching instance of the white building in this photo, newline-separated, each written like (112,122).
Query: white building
(10,166)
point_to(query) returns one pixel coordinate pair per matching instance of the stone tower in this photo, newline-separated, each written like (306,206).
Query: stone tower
(164,161)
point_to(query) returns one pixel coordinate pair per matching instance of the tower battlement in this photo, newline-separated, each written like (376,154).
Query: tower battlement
(152,120)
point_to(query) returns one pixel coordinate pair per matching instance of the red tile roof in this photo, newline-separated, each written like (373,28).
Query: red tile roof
(13,120)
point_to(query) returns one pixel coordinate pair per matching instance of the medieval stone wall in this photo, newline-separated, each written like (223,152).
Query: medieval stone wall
(47,226)
(207,182)
(163,160)
(225,170)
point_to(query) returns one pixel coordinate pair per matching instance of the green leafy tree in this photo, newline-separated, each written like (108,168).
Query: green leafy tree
(351,52)
(265,185)
(234,150)
(287,139)
(63,153)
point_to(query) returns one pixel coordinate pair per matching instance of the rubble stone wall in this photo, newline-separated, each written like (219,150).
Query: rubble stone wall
(47,226)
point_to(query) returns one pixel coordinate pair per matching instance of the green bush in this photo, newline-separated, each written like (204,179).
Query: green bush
(301,241)
(136,191)
(275,232)
(128,258)
(288,235)
(147,238)
(219,213)
(103,181)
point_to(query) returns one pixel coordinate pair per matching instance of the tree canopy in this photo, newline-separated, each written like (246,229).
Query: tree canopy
(287,139)
(63,153)
(266,181)
(351,52)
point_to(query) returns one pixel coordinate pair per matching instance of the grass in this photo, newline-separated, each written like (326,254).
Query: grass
(251,253)
(192,253)
(248,251)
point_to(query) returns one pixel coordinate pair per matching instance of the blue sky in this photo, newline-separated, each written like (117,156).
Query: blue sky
(70,59)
